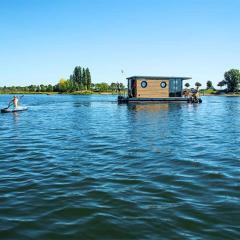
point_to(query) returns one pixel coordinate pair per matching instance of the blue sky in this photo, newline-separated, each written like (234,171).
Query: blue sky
(41,41)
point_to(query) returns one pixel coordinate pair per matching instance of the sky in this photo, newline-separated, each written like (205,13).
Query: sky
(42,41)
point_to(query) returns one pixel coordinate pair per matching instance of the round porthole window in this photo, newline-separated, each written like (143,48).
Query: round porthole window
(163,84)
(143,84)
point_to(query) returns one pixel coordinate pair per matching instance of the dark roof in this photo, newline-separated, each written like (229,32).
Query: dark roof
(157,77)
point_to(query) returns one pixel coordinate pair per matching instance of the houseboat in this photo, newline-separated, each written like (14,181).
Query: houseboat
(153,88)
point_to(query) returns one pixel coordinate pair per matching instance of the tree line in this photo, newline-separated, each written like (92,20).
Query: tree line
(30,88)
(231,81)
(79,80)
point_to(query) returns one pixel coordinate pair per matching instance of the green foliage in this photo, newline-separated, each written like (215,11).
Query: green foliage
(232,78)
(63,85)
(80,79)
(102,87)
(209,91)
(222,83)
(79,82)
(209,84)
(28,89)
(121,86)
(77,77)
(88,79)
(113,86)
(84,79)
(198,84)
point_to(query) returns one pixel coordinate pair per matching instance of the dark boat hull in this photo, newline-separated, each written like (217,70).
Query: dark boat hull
(19,109)
(122,99)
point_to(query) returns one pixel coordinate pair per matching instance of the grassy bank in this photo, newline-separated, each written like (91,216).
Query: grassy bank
(212,92)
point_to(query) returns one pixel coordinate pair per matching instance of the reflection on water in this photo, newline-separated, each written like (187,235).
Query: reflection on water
(15,116)
(81,104)
(85,167)
(149,107)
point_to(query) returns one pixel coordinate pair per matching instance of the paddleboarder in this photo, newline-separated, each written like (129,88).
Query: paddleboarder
(14,101)
(16,108)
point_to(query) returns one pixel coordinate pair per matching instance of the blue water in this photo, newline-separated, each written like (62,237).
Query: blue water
(84,167)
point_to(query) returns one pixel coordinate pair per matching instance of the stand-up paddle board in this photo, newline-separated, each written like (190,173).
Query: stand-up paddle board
(18,109)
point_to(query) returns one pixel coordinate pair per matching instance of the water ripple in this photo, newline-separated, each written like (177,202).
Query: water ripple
(83,167)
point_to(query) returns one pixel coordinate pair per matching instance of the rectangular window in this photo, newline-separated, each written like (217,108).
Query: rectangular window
(175,87)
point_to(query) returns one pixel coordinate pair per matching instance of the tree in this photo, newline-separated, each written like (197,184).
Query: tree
(63,85)
(56,88)
(73,84)
(77,77)
(121,86)
(38,89)
(32,88)
(43,88)
(102,87)
(198,84)
(232,78)
(81,78)
(209,84)
(113,87)
(187,85)
(222,83)
(84,79)
(49,88)
(88,78)
(92,86)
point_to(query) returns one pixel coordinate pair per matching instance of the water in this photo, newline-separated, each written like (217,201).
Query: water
(84,167)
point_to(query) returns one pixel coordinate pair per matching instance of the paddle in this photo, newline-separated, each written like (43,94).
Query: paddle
(11,103)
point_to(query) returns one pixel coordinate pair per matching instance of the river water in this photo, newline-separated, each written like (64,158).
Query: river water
(84,167)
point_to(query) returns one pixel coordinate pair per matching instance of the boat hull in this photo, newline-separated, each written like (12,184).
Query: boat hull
(122,99)
(19,109)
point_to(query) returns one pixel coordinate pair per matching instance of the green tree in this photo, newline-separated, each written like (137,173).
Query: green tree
(84,79)
(49,88)
(56,88)
(43,88)
(73,84)
(198,84)
(63,85)
(222,83)
(92,86)
(88,78)
(121,86)
(232,78)
(209,84)
(32,88)
(113,87)
(102,87)
(26,89)
(38,89)
(77,77)
(80,79)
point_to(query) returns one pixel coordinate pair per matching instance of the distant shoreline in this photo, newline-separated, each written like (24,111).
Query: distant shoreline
(107,93)
(221,95)
(60,93)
